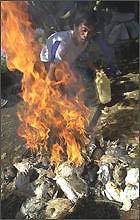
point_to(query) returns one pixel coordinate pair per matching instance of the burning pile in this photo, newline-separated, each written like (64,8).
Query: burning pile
(108,176)
(54,120)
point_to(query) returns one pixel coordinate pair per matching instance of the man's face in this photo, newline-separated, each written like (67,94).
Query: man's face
(83,32)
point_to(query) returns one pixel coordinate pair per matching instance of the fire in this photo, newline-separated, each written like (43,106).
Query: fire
(54,117)
(56,154)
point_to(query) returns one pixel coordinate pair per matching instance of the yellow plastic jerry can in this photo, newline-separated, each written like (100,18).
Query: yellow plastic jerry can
(103,87)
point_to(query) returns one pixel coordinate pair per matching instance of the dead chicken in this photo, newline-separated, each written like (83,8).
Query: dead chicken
(24,166)
(119,152)
(31,208)
(97,154)
(10,173)
(73,186)
(119,174)
(90,173)
(36,208)
(45,187)
(104,173)
(112,192)
(58,208)
(132,176)
(23,186)
(107,159)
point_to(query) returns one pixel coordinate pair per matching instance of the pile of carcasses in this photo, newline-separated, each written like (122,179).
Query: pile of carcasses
(118,177)
(50,193)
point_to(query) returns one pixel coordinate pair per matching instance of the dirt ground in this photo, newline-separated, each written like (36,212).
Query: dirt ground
(118,120)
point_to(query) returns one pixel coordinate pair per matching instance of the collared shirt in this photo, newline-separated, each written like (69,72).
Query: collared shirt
(60,46)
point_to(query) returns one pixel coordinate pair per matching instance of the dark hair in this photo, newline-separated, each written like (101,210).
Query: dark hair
(87,17)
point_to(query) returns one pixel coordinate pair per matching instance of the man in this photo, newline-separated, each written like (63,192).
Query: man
(67,46)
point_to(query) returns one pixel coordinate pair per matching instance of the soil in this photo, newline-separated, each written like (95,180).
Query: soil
(118,120)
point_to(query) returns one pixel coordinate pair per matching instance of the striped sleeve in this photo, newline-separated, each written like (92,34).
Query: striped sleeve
(60,52)
(54,52)
(44,54)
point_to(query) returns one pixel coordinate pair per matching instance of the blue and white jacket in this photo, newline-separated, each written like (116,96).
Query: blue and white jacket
(60,46)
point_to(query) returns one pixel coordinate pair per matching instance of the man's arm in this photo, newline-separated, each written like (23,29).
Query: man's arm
(88,57)
(51,73)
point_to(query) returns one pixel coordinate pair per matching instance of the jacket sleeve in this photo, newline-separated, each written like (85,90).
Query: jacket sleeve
(44,54)
(53,52)
(60,53)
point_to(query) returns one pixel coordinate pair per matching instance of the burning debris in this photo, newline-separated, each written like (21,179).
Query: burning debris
(44,189)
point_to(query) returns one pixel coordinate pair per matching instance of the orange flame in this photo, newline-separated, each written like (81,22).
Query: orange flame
(56,154)
(54,110)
